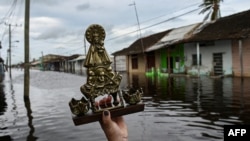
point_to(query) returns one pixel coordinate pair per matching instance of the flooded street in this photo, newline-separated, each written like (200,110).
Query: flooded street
(177,109)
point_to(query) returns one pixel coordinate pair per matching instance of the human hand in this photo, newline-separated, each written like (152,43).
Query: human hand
(115,128)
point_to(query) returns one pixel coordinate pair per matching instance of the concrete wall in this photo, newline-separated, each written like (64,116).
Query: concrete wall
(79,68)
(245,57)
(120,63)
(141,63)
(223,46)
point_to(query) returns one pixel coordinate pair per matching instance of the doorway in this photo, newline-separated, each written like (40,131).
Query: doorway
(170,64)
(218,63)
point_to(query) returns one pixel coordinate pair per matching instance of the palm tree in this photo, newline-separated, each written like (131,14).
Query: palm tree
(212,7)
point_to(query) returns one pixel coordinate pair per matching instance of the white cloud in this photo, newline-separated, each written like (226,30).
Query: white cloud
(46,28)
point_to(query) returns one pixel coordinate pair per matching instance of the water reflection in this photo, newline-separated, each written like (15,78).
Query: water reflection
(217,102)
(27,104)
(3,104)
(30,136)
(3,107)
(14,105)
(13,118)
(241,98)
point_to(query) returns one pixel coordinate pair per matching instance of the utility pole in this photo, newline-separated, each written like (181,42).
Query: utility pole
(26,50)
(6,62)
(0,48)
(9,50)
(139,29)
(138,23)
(42,62)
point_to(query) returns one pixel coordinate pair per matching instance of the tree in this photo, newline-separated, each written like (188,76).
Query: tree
(212,7)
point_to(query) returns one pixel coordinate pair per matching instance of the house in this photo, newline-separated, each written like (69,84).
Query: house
(77,64)
(137,59)
(162,52)
(65,65)
(51,62)
(170,49)
(223,45)
(35,64)
(57,62)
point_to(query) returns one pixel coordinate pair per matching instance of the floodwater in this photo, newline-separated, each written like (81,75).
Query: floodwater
(176,109)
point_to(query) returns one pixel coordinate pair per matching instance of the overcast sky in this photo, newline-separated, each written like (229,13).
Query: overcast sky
(58,26)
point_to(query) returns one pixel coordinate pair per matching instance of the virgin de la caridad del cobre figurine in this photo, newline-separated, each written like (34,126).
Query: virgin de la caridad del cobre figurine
(101,90)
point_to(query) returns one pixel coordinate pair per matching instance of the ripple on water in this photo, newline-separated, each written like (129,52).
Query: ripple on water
(192,110)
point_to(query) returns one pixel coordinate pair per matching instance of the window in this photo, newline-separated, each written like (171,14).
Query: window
(205,44)
(150,60)
(134,61)
(194,59)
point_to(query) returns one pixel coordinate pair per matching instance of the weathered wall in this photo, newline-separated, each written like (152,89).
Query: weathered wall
(223,46)
(245,57)
(141,63)
(120,63)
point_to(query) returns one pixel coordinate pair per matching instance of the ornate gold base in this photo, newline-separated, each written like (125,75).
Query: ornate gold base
(92,117)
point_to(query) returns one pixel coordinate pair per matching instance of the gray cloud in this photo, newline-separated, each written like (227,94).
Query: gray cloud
(83,7)
(52,33)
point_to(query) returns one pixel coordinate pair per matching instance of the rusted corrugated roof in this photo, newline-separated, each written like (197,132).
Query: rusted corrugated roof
(231,27)
(147,42)
(176,35)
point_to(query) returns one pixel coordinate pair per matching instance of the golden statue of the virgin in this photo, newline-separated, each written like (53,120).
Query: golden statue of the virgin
(102,81)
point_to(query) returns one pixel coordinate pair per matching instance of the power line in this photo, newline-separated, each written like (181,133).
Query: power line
(138,22)
(196,4)
(9,12)
(79,42)
(9,15)
(19,10)
(172,18)
(154,18)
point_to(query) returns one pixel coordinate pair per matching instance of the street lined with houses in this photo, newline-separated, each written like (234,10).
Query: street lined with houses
(222,45)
